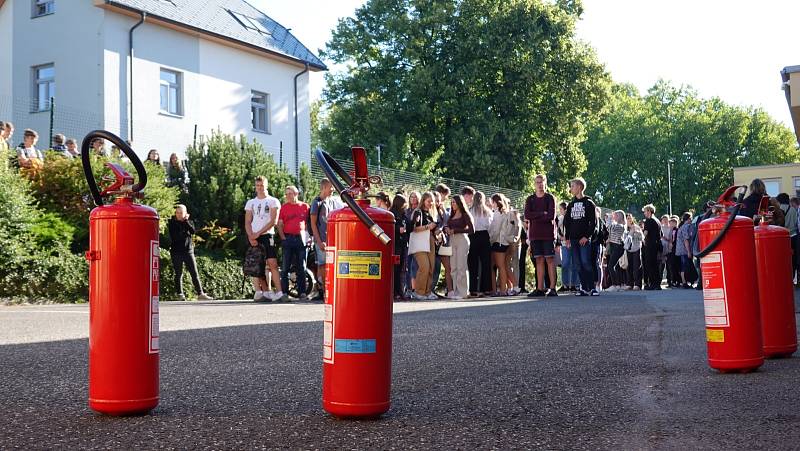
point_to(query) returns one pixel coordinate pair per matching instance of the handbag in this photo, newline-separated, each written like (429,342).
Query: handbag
(445,250)
(419,242)
(623,260)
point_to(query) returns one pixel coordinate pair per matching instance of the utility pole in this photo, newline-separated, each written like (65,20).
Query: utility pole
(669,184)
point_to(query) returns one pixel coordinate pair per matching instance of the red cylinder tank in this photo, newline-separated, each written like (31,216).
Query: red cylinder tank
(775,290)
(730,296)
(123,308)
(357,348)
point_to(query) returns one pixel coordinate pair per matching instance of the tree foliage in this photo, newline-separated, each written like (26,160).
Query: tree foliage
(705,139)
(472,89)
(222,173)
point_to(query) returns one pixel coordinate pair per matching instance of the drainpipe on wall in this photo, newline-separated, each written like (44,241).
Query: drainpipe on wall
(130,67)
(296,127)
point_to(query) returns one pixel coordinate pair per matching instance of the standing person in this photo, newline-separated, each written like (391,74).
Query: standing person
(522,257)
(176,173)
(6,133)
(459,226)
(401,233)
(652,242)
(28,156)
(673,262)
(666,244)
(3,142)
(181,252)
(59,145)
(580,222)
(616,232)
(382,201)
(683,248)
(72,148)
(633,245)
(599,239)
(260,218)
(540,212)
(499,240)
(292,229)
(321,208)
(424,221)
(99,147)
(479,259)
(153,157)
(792,224)
(569,271)
(442,198)
(512,232)
(411,266)
(756,191)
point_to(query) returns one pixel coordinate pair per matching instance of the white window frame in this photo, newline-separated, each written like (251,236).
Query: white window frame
(40,8)
(254,107)
(39,104)
(177,87)
(796,185)
(250,23)
(770,182)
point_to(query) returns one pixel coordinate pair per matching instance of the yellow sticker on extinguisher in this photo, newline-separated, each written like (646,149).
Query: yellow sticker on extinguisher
(358,265)
(715,335)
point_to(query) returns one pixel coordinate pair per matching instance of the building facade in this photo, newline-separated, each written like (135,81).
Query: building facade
(779,178)
(159,73)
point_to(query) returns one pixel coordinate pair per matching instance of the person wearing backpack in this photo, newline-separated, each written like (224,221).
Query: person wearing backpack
(580,222)
(540,212)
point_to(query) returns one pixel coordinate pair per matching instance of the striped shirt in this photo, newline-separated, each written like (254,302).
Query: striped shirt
(615,232)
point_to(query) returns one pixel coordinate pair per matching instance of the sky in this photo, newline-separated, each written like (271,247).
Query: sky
(731,49)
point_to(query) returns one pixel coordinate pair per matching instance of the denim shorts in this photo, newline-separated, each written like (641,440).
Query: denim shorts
(320,254)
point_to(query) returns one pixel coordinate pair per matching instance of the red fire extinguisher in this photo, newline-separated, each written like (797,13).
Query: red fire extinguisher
(730,289)
(123,291)
(357,344)
(775,290)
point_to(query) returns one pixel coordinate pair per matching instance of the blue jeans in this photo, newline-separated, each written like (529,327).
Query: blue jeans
(294,251)
(582,258)
(411,272)
(569,273)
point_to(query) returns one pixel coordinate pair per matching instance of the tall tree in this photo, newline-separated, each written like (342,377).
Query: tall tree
(484,90)
(628,149)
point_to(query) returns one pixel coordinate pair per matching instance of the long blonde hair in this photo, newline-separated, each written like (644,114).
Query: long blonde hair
(433,211)
(479,207)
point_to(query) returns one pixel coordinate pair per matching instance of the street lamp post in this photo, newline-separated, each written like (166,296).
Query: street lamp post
(669,184)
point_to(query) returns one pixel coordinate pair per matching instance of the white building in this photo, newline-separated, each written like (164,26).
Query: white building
(154,71)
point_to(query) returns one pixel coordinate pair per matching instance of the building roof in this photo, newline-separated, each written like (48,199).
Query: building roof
(787,88)
(232,20)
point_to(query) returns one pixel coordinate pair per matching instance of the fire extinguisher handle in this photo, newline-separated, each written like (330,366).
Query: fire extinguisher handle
(332,168)
(124,147)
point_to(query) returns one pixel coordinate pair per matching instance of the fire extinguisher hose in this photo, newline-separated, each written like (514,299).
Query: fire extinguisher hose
(124,147)
(713,244)
(332,168)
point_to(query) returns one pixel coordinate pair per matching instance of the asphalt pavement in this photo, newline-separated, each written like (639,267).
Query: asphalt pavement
(619,371)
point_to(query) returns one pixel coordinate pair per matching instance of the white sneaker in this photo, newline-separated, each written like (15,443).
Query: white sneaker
(432,297)
(511,292)
(259,294)
(611,288)
(636,288)
(274,295)
(204,297)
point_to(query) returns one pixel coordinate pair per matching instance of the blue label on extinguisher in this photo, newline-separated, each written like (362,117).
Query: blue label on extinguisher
(354,346)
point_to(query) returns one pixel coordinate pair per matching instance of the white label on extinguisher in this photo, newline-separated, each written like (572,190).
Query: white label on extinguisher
(327,323)
(153,345)
(715,297)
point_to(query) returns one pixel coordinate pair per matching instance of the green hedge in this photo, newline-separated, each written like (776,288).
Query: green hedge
(220,273)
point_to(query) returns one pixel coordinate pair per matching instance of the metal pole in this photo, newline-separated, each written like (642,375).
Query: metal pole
(669,185)
(52,115)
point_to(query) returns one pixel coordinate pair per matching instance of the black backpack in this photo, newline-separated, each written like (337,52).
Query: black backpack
(255,261)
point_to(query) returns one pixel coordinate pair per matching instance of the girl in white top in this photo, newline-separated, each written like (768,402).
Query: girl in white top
(480,253)
(633,245)
(503,231)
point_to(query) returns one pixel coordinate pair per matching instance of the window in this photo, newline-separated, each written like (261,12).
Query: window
(797,186)
(43,7)
(44,86)
(170,91)
(773,186)
(259,107)
(250,23)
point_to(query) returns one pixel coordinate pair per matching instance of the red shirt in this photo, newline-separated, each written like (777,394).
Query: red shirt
(294,218)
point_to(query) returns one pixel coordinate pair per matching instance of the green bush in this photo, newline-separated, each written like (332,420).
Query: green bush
(220,273)
(35,261)
(61,188)
(222,173)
